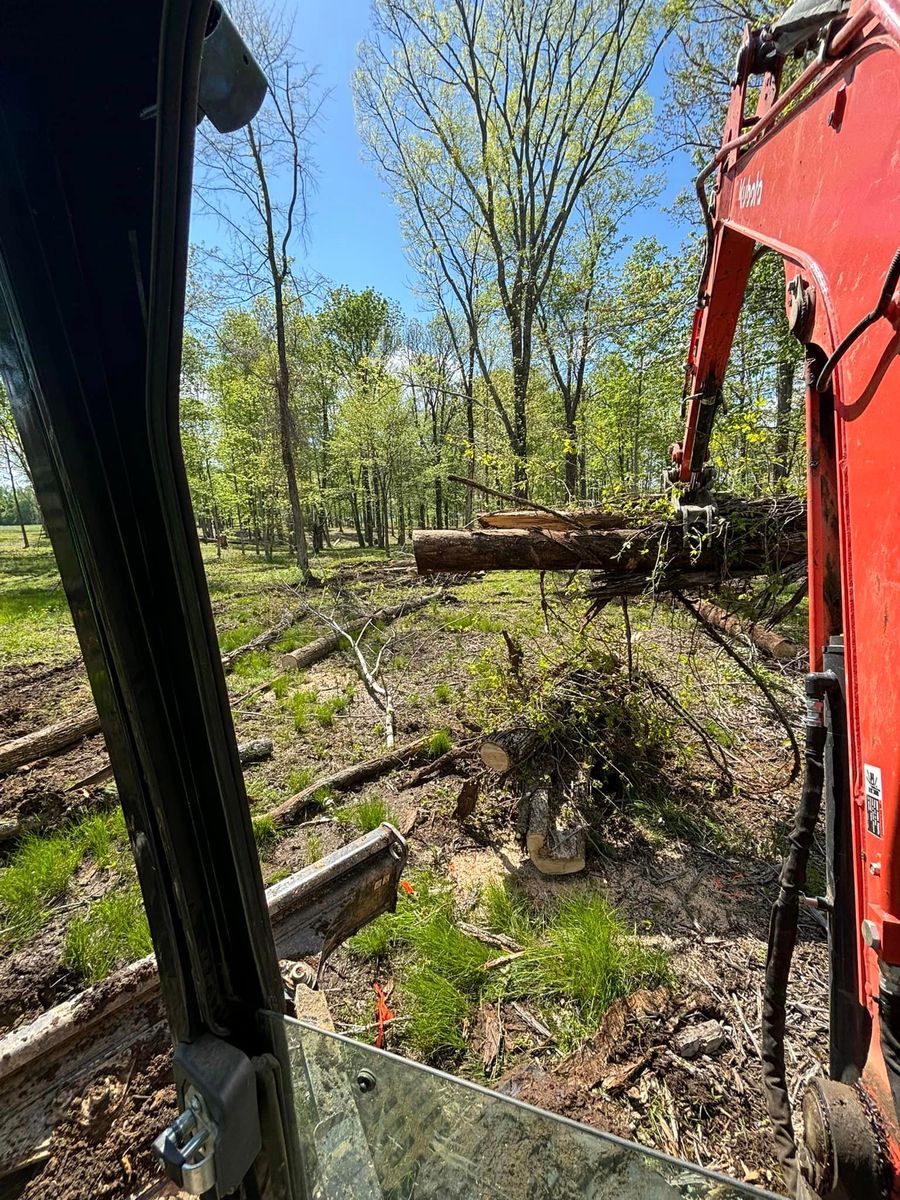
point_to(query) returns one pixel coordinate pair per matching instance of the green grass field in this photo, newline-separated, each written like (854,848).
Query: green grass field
(35,622)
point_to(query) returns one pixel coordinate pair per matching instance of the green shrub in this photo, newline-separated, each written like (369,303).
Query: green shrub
(265,831)
(505,909)
(439,743)
(437,1013)
(586,955)
(365,815)
(443,693)
(39,873)
(103,837)
(239,636)
(298,779)
(326,711)
(114,932)
(577,959)
(303,704)
(40,870)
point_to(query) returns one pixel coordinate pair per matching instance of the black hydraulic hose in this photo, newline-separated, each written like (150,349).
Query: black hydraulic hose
(887,291)
(783,927)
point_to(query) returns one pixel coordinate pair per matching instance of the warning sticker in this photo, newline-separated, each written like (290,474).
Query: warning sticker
(873,799)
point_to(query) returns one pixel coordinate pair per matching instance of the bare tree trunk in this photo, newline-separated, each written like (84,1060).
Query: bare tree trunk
(278,271)
(367,507)
(12,484)
(470,433)
(571,459)
(783,397)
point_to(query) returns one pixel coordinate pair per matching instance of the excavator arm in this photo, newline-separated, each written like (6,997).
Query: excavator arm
(814,175)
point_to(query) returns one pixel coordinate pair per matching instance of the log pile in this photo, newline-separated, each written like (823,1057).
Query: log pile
(630,551)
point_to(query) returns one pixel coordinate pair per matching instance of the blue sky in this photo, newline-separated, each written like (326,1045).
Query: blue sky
(354,236)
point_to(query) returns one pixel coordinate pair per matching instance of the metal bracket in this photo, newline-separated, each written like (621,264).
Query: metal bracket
(213,1142)
(696,505)
(187,1148)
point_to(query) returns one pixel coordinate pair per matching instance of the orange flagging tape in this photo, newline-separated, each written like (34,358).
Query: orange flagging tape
(383,1015)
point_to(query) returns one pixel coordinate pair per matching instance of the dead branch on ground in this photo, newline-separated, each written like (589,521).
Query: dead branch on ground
(348,778)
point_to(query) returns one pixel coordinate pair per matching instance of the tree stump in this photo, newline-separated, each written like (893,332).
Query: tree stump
(553,851)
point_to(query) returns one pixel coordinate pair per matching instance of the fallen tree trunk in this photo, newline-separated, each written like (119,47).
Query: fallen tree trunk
(588,518)
(617,552)
(349,777)
(53,738)
(553,851)
(506,748)
(315,651)
(49,740)
(769,641)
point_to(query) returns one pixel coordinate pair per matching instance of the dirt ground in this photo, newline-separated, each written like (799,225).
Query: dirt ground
(703,896)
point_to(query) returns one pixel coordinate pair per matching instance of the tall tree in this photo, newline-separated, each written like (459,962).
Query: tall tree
(359,330)
(497,116)
(15,458)
(256,182)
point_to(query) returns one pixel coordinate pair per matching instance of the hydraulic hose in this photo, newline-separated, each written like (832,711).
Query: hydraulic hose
(783,926)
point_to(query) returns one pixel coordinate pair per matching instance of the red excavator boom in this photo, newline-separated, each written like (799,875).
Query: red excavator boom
(814,175)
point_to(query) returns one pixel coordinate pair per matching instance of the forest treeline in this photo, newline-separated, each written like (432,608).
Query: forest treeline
(546,357)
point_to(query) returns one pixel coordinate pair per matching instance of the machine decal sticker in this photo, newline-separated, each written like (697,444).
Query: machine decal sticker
(873,799)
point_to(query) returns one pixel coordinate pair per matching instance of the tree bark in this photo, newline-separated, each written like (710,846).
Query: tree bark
(507,748)
(769,641)
(279,272)
(759,536)
(783,397)
(349,778)
(15,494)
(49,740)
(615,551)
(596,518)
(553,851)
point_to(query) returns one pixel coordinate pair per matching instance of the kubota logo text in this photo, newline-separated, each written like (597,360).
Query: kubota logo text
(750,192)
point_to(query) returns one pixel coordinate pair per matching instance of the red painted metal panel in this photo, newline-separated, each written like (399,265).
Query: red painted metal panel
(821,185)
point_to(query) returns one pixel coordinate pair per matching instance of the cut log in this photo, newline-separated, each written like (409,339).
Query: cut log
(348,778)
(769,641)
(615,551)
(507,748)
(49,740)
(758,536)
(86,722)
(587,518)
(553,851)
(313,652)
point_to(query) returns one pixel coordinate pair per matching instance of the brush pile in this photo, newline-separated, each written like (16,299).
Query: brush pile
(586,736)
